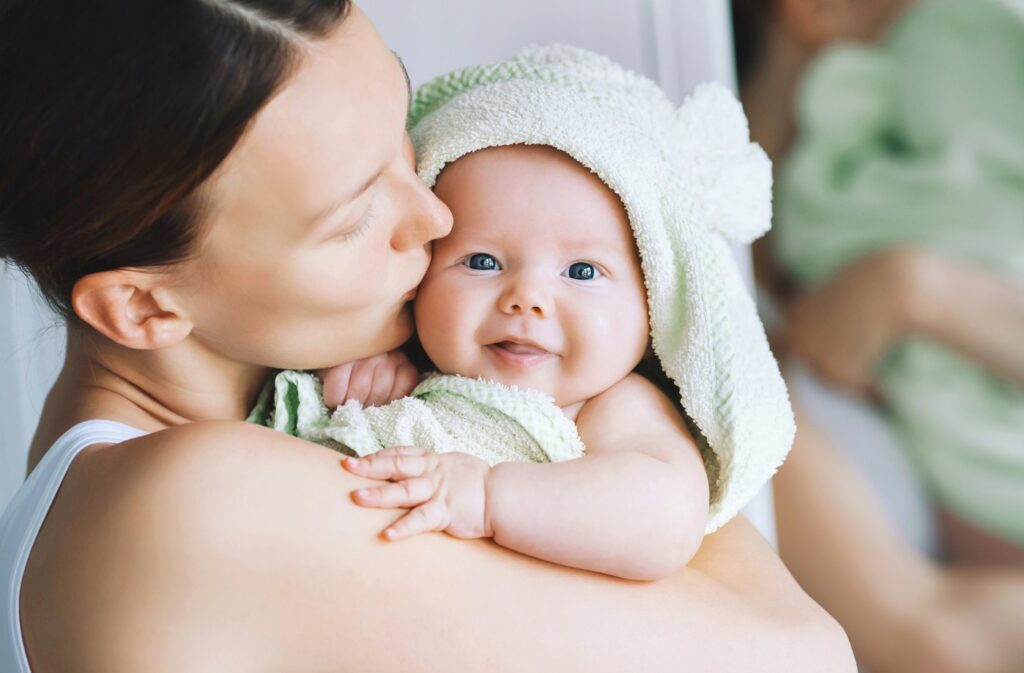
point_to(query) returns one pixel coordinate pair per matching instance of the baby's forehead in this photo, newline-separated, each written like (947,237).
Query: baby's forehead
(537,193)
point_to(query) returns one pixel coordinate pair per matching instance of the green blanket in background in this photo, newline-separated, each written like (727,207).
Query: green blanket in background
(920,141)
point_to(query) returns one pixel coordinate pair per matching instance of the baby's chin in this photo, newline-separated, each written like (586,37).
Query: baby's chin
(528,380)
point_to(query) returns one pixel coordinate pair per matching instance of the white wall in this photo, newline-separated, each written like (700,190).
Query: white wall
(31,353)
(675,42)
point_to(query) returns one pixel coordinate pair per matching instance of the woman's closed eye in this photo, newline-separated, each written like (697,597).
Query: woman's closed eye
(481,261)
(583,271)
(363,226)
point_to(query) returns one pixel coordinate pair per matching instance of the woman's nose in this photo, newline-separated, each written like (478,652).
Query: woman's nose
(425,217)
(525,297)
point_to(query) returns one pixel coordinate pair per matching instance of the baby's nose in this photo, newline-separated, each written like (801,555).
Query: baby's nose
(534,309)
(525,299)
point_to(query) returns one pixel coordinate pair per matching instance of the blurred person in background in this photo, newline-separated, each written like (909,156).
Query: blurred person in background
(897,261)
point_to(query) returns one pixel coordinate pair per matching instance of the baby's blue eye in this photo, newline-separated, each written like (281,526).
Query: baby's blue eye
(582,271)
(481,261)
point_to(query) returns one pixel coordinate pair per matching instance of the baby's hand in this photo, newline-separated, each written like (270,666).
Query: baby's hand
(446,492)
(372,381)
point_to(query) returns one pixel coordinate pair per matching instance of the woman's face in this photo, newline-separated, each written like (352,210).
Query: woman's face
(318,227)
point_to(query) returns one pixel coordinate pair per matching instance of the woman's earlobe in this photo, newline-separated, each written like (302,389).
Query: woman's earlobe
(130,309)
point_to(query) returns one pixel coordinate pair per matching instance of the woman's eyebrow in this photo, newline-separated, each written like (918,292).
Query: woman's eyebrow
(336,206)
(405,71)
(358,191)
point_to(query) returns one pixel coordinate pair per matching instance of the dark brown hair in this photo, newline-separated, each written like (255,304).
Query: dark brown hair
(112,114)
(750,19)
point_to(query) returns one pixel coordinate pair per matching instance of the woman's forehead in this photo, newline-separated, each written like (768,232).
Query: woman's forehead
(330,129)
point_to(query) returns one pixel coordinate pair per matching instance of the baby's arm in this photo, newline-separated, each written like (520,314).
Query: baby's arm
(635,506)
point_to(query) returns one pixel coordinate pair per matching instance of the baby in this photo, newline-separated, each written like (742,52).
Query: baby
(590,224)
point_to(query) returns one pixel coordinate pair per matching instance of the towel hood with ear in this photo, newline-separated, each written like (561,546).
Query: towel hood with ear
(692,183)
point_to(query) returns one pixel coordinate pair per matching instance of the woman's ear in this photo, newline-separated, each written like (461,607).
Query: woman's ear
(132,308)
(818,22)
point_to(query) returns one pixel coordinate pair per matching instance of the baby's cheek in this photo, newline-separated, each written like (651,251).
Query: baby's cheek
(438,324)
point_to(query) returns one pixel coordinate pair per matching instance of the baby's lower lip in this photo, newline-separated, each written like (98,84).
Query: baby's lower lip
(522,357)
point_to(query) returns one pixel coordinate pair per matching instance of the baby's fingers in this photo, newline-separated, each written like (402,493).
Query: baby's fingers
(405,493)
(401,451)
(388,464)
(406,379)
(335,384)
(430,516)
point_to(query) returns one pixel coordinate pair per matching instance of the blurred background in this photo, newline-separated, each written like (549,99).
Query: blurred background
(891,285)
(894,282)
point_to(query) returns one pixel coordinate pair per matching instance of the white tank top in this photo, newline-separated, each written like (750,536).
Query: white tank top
(24,517)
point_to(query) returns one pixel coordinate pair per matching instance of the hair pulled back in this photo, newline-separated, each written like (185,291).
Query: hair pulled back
(113,113)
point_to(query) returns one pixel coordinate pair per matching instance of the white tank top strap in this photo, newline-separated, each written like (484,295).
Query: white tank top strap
(24,516)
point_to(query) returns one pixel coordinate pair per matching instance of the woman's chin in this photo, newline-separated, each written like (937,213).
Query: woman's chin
(402,331)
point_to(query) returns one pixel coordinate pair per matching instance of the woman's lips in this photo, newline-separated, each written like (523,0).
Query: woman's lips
(520,356)
(410,295)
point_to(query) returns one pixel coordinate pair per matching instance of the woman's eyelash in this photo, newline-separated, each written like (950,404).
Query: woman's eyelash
(362,227)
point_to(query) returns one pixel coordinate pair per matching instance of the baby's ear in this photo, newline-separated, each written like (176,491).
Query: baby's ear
(731,177)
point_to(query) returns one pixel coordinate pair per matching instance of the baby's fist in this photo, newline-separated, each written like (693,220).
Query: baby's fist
(372,381)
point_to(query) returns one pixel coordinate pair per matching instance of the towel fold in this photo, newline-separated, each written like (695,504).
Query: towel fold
(444,413)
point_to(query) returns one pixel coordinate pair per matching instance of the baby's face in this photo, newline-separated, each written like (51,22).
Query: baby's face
(539,283)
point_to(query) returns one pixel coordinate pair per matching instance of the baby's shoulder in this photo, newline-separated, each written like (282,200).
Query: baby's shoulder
(632,389)
(631,403)
(634,412)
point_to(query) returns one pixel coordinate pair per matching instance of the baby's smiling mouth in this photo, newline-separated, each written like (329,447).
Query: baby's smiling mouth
(518,354)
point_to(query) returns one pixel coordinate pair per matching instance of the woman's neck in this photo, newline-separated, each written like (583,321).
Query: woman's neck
(150,390)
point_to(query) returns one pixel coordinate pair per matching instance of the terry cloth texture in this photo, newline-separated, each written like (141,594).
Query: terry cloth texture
(444,413)
(692,183)
(920,142)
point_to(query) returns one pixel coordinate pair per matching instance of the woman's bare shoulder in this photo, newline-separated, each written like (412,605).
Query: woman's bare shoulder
(229,485)
(205,527)
(229,547)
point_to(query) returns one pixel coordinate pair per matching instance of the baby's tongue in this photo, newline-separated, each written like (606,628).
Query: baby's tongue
(520,349)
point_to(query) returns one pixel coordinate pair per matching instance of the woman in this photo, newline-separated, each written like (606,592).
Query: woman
(900,162)
(197,185)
